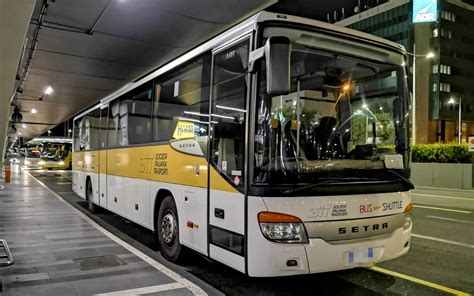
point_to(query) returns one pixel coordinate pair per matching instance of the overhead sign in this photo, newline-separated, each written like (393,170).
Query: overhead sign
(471,143)
(425,11)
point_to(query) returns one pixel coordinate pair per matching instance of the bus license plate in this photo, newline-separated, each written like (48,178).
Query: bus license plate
(361,256)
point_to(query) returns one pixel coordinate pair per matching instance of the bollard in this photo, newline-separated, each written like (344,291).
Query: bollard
(8,172)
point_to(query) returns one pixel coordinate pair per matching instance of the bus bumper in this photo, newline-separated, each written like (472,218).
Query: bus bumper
(323,256)
(271,259)
(275,259)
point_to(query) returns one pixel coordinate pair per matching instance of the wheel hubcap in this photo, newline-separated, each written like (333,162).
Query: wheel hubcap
(168,228)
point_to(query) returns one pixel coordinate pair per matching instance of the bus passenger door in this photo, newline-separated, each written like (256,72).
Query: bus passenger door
(103,156)
(226,155)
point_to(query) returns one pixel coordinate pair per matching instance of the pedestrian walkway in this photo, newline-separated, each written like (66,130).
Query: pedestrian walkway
(59,251)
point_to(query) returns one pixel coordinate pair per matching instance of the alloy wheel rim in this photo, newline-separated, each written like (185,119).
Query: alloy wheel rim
(168,228)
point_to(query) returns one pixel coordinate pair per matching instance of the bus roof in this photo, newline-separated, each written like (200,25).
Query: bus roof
(242,28)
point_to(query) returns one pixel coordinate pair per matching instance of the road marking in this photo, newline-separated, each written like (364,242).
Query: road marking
(444,189)
(450,219)
(196,290)
(144,290)
(444,196)
(442,240)
(442,209)
(419,281)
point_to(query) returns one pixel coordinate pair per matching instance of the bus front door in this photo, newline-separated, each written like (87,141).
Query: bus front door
(227,157)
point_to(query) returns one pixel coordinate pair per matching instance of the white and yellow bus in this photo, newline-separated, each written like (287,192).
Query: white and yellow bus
(279,147)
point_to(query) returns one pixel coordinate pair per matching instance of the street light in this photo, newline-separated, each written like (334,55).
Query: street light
(429,55)
(453,102)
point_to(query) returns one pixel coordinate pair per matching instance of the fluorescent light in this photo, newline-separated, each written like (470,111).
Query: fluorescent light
(223,116)
(34,111)
(48,90)
(231,108)
(23,125)
(195,113)
(192,120)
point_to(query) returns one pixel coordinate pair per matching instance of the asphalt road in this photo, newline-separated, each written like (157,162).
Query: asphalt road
(440,261)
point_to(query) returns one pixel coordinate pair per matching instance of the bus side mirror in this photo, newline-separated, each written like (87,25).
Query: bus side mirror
(276,52)
(277,56)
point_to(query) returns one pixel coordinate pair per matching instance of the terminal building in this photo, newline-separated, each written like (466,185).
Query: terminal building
(447,76)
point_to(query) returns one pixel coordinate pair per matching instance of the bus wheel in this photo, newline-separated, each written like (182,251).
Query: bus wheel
(90,197)
(168,231)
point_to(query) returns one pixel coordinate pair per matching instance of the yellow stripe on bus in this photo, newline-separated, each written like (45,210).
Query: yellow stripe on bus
(155,163)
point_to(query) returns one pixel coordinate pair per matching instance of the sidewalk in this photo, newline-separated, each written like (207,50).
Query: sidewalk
(59,251)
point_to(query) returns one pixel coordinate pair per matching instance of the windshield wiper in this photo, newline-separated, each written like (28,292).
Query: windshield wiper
(402,178)
(327,181)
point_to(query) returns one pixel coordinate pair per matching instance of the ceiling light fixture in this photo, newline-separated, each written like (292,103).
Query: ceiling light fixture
(430,55)
(49,90)
(34,111)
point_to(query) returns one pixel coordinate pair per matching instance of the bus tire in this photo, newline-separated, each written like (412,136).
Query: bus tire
(90,197)
(167,227)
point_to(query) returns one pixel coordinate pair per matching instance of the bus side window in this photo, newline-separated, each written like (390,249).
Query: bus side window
(104,127)
(135,115)
(77,143)
(228,116)
(86,131)
(113,125)
(181,107)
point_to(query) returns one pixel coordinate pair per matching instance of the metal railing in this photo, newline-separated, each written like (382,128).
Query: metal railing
(6,258)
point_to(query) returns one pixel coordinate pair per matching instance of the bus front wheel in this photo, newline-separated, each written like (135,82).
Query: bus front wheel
(90,197)
(167,227)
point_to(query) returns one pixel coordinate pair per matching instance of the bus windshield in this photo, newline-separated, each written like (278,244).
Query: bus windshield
(345,116)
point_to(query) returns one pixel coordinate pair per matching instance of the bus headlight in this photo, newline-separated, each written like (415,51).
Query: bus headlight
(282,228)
(41,162)
(61,162)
